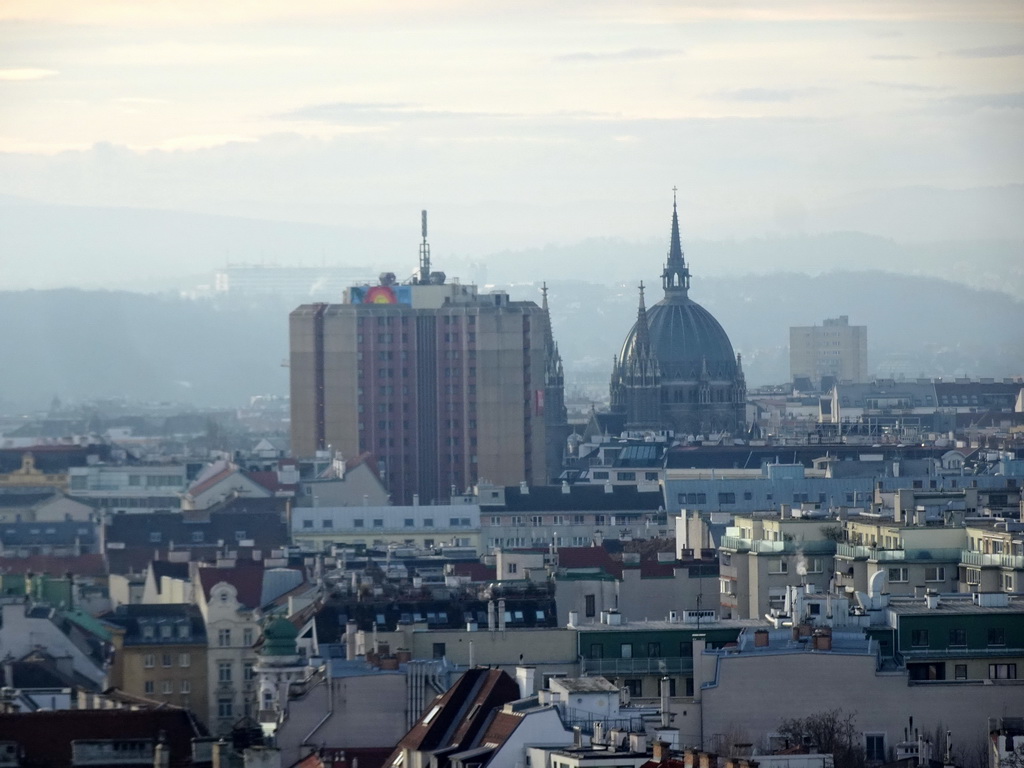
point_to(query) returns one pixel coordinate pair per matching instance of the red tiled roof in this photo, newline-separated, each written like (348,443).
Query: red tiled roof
(80,565)
(475,571)
(461,712)
(205,485)
(45,737)
(246,579)
(588,557)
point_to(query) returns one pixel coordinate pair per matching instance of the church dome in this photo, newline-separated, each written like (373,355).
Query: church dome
(684,337)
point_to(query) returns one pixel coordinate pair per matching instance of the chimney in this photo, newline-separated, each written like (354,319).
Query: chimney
(525,679)
(491,618)
(660,751)
(761,638)
(666,716)
(574,619)
(931,600)
(501,614)
(350,641)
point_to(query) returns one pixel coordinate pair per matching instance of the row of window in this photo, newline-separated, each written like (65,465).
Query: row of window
(630,476)
(166,686)
(408,522)
(920,638)
(224,637)
(184,660)
(901,574)
(155,537)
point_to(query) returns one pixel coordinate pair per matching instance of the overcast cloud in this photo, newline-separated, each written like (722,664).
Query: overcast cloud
(516,123)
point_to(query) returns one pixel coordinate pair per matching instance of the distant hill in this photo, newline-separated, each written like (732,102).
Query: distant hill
(87,344)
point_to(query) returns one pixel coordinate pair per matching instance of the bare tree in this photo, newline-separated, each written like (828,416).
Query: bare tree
(833,732)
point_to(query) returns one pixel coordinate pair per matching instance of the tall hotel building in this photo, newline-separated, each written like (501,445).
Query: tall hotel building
(442,385)
(833,349)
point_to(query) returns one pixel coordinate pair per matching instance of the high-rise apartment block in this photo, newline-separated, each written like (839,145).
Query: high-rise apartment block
(441,384)
(835,350)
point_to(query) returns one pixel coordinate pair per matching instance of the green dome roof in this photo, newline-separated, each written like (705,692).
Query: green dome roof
(279,638)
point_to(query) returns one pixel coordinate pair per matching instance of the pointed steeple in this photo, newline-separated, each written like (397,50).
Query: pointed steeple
(675,278)
(642,345)
(548,335)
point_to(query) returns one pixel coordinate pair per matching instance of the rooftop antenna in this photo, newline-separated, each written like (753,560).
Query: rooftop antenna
(424,273)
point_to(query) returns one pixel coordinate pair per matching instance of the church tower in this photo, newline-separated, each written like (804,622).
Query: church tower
(556,418)
(677,369)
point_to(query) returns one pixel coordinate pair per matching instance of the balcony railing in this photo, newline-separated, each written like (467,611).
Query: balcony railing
(968,557)
(764,547)
(645,666)
(861,552)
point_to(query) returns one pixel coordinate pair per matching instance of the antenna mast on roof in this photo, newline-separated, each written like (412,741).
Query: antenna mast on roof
(424,273)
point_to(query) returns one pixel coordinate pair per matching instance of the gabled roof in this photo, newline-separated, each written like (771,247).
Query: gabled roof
(246,579)
(459,718)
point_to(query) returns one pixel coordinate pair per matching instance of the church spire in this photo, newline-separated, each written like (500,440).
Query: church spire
(675,278)
(643,330)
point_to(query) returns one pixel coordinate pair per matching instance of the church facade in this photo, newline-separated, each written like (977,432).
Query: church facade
(677,369)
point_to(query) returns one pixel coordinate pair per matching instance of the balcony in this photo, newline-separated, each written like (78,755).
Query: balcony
(861,552)
(647,666)
(969,557)
(764,547)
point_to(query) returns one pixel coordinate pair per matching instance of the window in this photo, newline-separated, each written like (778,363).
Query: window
(248,671)
(409,522)
(996,636)
(898,574)
(653,650)
(428,522)
(167,687)
(589,605)
(596,651)
(919,638)
(626,650)
(726,498)
(224,672)
(167,660)
(149,661)
(633,686)
(378,523)
(184,631)
(154,537)
(165,631)
(874,747)
(247,636)
(935,573)
(224,707)
(512,567)
(357,523)
(961,672)
(630,476)
(197,537)
(185,660)
(149,687)
(958,637)
(223,637)
(439,650)
(1002,671)
(186,686)
(327,523)
(778,566)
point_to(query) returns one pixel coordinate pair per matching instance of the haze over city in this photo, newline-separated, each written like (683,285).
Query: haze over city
(519,125)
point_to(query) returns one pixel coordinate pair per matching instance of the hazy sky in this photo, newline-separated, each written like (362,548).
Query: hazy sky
(533,121)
